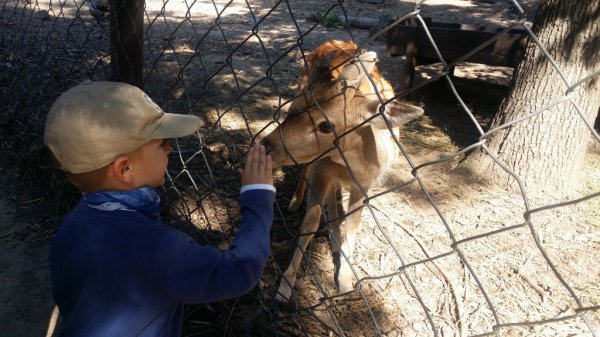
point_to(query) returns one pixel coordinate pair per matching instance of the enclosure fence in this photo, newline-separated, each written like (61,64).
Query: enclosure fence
(236,64)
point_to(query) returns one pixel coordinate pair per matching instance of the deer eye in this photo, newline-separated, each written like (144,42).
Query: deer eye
(325,127)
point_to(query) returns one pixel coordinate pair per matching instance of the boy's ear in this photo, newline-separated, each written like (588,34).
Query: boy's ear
(122,170)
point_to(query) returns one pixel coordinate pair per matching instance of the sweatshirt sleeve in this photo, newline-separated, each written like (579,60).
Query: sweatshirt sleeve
(201,274)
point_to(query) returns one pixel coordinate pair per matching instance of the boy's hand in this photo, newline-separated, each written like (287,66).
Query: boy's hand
(258,168)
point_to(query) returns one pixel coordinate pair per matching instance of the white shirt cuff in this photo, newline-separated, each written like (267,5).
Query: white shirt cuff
(257,187)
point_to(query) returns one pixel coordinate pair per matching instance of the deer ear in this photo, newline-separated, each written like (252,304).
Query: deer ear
(323,65)
(401,113)
(354,72)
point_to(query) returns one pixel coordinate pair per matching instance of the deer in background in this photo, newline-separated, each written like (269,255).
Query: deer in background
(336,96)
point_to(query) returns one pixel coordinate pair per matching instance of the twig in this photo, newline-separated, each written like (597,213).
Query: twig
(52,322)
(229,317)
(532,284)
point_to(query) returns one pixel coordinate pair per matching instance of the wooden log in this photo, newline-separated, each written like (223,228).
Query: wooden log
(377,2)
(360,22)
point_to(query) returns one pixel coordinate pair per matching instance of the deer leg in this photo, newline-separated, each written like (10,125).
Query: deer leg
(309,226)
(345,274)
(333,223)
(300,189)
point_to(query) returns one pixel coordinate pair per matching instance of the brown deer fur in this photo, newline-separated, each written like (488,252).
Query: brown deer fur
(336,96)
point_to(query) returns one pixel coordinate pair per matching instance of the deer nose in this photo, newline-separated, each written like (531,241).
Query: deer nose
(267,144)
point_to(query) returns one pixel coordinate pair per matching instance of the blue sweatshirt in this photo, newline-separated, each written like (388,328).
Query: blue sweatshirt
(119,273)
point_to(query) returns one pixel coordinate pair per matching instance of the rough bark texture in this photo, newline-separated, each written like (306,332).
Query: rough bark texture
(547,151)
(127,39)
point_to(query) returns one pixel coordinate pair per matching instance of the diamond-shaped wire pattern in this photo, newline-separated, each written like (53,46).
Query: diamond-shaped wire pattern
(429,261)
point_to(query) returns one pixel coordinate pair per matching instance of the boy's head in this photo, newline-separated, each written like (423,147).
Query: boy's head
(92,126)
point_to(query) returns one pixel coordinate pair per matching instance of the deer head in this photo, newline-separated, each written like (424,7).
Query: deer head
(316,118)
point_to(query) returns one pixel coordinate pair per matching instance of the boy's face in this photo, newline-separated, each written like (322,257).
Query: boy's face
(150,163)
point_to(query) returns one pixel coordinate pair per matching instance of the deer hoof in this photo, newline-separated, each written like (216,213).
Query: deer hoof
(344,280)
(283,293)
(294,205)
(345,288)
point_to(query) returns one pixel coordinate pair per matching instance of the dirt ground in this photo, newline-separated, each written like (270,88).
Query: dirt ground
(25,299)
(520,283)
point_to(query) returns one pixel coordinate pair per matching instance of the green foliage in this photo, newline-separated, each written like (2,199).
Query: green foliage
(331,20)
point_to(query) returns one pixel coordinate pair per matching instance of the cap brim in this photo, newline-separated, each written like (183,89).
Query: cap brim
(176,125)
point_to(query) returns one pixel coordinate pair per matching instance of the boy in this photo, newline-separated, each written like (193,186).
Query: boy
(116,268)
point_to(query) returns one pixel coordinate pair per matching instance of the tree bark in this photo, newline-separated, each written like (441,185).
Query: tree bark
(127,39)
(547,151)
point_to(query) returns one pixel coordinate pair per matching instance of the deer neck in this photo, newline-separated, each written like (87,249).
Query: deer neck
(367,147)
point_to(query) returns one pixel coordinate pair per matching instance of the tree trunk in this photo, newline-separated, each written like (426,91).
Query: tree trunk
(547,151)
(127,40)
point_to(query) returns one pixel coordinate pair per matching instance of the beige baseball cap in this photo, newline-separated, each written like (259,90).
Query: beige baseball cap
(93,123)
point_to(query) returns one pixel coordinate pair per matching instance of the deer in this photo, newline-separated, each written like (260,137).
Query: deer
(324,63)
(339,127)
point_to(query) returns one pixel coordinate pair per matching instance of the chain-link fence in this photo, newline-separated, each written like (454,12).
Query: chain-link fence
(437,253)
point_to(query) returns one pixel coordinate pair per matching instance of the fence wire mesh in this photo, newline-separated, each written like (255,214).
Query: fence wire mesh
(437,254)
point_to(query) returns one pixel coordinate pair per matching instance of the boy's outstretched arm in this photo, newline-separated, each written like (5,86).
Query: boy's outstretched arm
(206,274)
